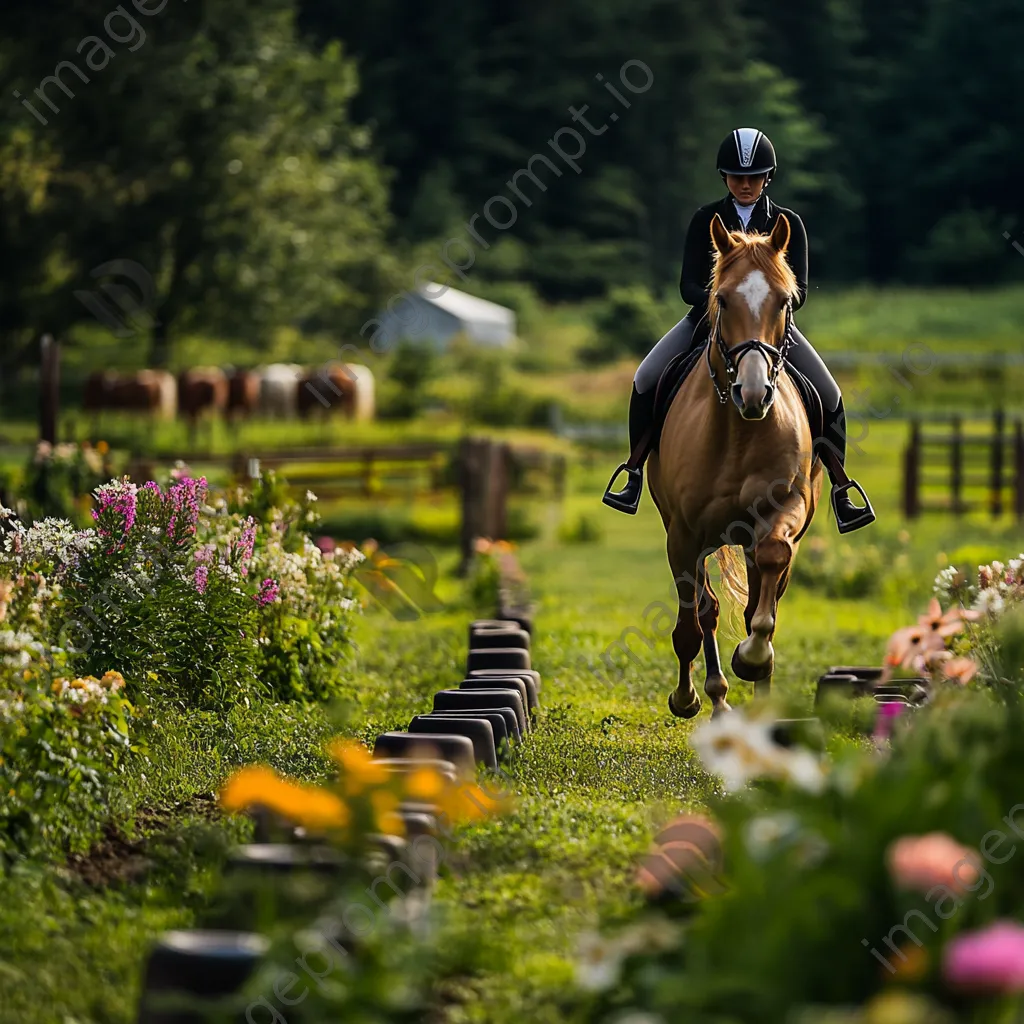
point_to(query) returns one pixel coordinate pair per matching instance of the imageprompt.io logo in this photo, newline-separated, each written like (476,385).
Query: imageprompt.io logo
(125,311)
(402,580)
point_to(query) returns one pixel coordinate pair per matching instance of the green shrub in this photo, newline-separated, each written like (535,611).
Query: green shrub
(410,370)
(629,322)
(584,529)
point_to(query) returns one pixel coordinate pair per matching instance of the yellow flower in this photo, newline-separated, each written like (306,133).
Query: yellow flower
(310,806)
(359,770)
(424,784)
(470,803)
(113,680)
(385,816)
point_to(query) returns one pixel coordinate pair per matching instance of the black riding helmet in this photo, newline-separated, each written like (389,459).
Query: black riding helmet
(747,151)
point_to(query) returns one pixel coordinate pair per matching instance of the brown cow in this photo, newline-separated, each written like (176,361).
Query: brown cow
(337,387)
(243,393)
(149,391)
(202,389)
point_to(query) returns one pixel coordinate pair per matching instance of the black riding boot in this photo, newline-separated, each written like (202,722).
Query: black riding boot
(641,420)
(849,517)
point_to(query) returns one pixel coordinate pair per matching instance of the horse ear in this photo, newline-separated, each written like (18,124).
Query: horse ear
(720,237)
(780,233)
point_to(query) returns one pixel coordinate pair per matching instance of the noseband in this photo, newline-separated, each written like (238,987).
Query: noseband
(774,356)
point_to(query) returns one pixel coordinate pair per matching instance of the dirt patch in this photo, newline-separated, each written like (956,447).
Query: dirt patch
(116,859)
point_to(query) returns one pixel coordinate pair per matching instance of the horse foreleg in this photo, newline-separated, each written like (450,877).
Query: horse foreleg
(716,686)
(754,658)
(684,701)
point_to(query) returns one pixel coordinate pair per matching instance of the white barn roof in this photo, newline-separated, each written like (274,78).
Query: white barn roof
(468,308)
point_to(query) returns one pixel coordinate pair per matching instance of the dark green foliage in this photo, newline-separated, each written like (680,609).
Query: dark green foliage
(628,324)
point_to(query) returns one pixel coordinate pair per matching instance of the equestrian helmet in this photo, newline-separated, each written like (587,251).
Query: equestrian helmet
(747,151)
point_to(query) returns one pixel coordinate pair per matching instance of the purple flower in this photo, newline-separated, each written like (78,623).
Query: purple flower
(990,960)
(185,497)
(885,717)
(202,576)
(269,592)
(204,555)
(245,544)
(117,500)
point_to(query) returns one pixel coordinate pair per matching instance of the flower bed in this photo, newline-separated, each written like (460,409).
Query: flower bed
(877,883)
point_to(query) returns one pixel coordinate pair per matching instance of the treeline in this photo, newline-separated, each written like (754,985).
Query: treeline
(288,162)
(897,126)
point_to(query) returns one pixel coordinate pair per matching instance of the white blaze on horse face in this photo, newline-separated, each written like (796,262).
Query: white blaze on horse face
(755,289)
(752,377)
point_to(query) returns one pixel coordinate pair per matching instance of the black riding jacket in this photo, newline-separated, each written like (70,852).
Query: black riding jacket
(695,280)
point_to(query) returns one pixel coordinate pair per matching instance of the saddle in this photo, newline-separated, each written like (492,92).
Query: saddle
(682,365)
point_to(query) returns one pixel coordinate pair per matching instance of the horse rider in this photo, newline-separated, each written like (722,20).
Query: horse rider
(746,161)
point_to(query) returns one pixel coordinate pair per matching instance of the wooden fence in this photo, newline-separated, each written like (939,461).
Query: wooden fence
(945,472)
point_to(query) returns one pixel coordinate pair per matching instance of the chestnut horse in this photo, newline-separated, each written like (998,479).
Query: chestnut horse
(740,475)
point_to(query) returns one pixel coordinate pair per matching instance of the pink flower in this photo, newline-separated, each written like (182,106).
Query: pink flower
(269,592)
(325,544)
(245,544)
(885,718)
(922,862)
(185,497)
(990,960)
(204,555)
(202,576)
(960,670)
(118,507)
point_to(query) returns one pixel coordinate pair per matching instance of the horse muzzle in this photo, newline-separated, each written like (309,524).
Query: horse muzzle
(753,407)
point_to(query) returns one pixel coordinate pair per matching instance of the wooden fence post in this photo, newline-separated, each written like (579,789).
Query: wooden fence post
(49,383)
(956,466)
(998,422)
(912,472)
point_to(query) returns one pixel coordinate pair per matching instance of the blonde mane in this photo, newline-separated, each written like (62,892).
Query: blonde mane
(759,250)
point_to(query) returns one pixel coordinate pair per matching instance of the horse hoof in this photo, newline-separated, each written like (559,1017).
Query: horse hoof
(752,673)
(689,711)
(720,709)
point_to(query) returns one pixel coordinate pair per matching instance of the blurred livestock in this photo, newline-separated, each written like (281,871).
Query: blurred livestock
(347,388)
(243,393)
(279,389)
(202,389)
(149,391)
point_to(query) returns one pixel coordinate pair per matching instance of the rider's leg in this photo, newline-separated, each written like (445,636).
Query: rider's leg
(641,411)
(848,516)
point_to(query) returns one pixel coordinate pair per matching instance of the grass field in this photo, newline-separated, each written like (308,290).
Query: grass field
(606,765)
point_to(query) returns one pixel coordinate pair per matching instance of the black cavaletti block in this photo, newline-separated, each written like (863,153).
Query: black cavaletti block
(495,716)
(478,730)
(498,657)
(457,749)
(406,765)
(788,732)
(491,697)
(848,685)
(491,673)
(869,672)
(504,636)
(510,723)
(502,683)
(522,617)
(284,858)
(197,966)
(502,678)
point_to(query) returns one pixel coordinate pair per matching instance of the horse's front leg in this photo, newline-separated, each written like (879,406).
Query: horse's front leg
(684,701)
(716,686)
(754,658)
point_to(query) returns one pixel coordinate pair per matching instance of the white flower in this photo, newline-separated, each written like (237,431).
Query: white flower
(600,964)
(740,749)
(764,831)
(310,496)
(989,601)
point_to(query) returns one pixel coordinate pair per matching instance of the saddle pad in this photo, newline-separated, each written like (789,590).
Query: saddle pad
(681,366)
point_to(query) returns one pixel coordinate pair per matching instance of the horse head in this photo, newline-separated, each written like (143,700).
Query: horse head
(749,308)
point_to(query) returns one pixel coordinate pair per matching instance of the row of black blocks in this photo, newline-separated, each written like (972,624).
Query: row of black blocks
(865,681)
(189,973)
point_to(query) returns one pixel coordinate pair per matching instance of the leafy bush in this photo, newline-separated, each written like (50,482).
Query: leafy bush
(57,480)
(629,322)
(584,529)
(411,369)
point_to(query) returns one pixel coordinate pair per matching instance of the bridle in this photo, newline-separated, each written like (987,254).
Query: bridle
(775,356)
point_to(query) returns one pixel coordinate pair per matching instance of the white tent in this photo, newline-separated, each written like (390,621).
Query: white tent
(434,315)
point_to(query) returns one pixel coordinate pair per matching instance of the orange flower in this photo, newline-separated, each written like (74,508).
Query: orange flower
(471,803)
(359,770)
(424,784)
(960,670)
(113,681)
(102,447)
(945,623)
(310,806)
(385,813)
(921,862)
(911,964)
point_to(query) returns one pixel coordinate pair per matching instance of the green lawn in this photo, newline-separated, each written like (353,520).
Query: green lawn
(606,765)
